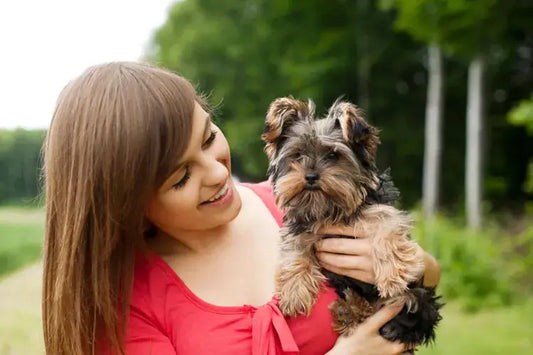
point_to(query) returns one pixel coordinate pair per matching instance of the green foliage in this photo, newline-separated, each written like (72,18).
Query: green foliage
(246,54)
(518,252)
(506,330)
(19,245)
(522,115)
(21,237)
(479,268)
(20,164)
(461,27)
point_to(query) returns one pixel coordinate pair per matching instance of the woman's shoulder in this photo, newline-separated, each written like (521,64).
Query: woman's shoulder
(263,188)
(151,284)
(264,191)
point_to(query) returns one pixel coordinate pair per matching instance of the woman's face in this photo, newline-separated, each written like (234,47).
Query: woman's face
(200,194)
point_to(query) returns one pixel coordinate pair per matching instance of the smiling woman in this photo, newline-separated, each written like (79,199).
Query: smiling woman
(150,246)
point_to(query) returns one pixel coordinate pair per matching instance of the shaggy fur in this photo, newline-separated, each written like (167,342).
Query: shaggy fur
(323,173)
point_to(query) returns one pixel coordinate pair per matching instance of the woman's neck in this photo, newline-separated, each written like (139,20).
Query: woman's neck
(191,242)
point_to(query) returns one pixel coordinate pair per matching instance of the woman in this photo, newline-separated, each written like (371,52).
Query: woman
(150,247)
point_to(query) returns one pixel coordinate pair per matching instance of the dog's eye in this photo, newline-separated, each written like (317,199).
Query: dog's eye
(297,156)
(333,156)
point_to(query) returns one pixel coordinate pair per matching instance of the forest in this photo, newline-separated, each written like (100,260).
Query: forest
(448,83)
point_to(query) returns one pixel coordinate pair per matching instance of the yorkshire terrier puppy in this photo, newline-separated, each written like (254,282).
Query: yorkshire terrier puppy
(323,173)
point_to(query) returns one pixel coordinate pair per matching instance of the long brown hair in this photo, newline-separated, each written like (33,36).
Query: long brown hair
(117,132)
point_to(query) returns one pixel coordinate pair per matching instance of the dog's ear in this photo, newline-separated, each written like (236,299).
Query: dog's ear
(359,135)
(282,113)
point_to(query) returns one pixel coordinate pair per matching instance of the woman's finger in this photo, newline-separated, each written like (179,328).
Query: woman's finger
(344,261)
(338,229)
(344,246)
(360,275)
(396,348)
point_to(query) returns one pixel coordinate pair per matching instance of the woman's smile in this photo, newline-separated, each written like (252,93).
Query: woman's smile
(222,197)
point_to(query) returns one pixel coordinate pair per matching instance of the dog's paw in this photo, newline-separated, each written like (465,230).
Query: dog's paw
(397,260)
(343,317)
(349,312)
(398,266)
(291,306)
(391,287)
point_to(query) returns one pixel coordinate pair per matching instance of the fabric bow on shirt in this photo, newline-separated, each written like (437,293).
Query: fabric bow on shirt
(269,328)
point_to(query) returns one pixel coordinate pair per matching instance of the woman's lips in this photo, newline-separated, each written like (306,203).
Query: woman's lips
(221,199)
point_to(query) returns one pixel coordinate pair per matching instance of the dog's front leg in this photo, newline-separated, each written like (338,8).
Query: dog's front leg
(350,311)
(396,263)
(298,281)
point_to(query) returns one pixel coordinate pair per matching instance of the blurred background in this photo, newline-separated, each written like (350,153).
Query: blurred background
(449,83)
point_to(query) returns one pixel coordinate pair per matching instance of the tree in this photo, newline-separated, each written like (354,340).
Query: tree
(20,164)
(433,133)
(422,20)
(246,54)
(474,144)
(466,29)
(483,23)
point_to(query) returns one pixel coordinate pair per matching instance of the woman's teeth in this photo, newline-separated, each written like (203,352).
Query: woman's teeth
(221,193)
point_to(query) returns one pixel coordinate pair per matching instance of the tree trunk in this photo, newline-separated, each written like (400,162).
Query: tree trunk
(363,64)
(474,127)
(432,148)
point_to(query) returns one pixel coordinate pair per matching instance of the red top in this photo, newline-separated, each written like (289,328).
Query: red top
(167,318)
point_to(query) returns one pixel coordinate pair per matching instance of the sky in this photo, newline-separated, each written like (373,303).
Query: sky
(46,43)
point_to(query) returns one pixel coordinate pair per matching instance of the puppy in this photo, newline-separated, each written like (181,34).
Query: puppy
(323,172)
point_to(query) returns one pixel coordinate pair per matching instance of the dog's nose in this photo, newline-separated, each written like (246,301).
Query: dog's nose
(312,178)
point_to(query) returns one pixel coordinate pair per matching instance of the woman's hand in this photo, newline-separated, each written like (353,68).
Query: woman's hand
(343,256)
(366,339)
(353,257)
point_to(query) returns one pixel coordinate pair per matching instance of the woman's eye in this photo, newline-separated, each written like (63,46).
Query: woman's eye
(333,156)
(210,140)
(183,180)
(187,175)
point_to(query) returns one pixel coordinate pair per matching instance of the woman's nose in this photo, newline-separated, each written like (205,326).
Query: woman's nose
(216,171)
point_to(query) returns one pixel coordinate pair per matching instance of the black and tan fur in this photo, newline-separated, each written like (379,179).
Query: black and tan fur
(323,173)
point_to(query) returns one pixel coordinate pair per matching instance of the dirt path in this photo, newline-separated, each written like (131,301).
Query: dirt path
(20,312)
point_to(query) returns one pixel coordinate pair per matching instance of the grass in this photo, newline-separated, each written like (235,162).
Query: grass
(21,237)
(20,312)
(507,330)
